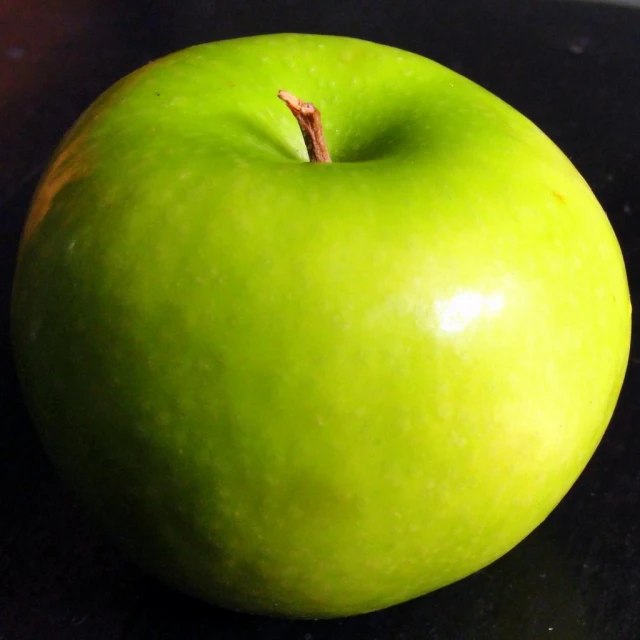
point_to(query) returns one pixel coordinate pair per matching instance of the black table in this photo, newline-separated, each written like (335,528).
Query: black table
(573,68)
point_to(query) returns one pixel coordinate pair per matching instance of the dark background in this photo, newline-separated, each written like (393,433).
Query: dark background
(573,68)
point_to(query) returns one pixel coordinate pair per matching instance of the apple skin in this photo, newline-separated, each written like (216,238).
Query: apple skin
(316,390)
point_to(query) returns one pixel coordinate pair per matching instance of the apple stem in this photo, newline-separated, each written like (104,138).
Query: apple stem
(308,118)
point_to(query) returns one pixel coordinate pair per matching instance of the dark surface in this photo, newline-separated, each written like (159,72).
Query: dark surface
(573,68)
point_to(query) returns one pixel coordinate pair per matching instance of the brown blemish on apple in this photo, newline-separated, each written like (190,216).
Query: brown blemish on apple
(559,196)
(70,165)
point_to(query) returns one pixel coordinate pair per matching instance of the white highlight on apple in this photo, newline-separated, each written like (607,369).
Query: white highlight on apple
(458,312)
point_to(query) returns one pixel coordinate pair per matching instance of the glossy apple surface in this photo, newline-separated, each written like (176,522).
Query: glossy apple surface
(316,389)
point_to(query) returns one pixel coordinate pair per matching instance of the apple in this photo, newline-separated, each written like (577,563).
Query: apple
(316,389)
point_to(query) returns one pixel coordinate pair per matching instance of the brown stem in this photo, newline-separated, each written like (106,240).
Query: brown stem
(308,118)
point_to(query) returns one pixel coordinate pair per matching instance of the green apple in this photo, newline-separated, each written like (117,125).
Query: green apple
(316,389)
